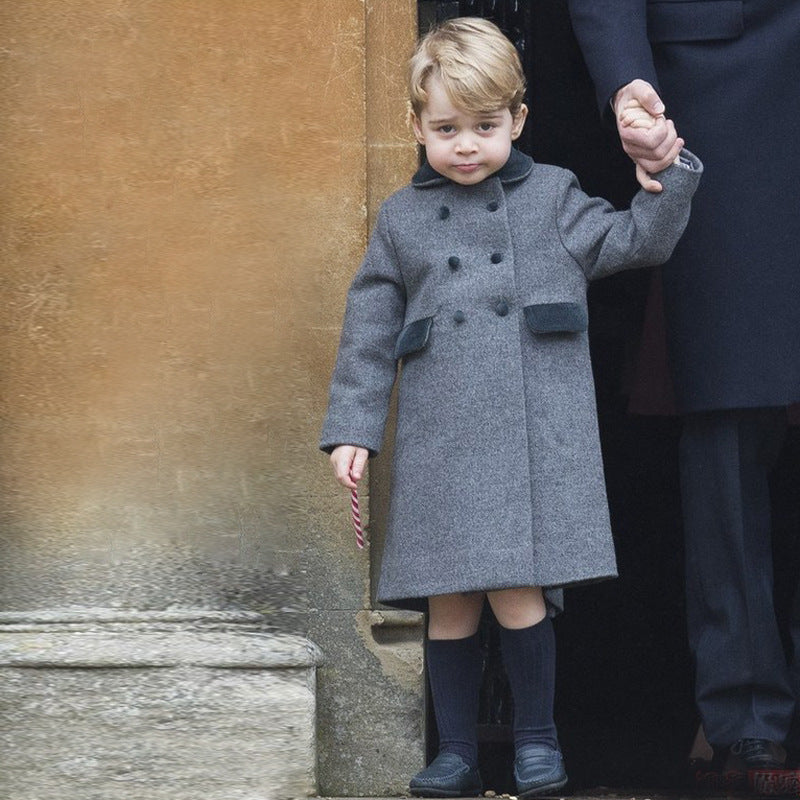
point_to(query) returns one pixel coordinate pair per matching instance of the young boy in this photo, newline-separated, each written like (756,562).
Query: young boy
(475,279)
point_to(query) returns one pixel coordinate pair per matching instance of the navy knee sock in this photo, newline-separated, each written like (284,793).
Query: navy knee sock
(455,671)
(529,656)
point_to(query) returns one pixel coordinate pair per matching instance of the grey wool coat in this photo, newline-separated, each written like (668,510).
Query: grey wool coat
(479,293)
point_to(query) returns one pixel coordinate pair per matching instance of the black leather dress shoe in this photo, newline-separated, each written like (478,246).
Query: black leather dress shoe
(538,769)
(748,754)
(448,775)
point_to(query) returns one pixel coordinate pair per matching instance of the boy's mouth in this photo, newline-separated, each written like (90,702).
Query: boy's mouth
(467,167)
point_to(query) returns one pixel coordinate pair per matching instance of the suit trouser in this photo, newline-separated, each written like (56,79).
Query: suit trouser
(742,681)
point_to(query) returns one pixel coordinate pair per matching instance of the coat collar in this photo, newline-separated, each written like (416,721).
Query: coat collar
(517,167)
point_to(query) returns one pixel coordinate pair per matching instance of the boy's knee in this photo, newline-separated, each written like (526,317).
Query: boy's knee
(518,608)
(454,616)
(452,630)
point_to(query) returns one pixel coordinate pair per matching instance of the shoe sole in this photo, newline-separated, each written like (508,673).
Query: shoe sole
(540,790)
(432,792)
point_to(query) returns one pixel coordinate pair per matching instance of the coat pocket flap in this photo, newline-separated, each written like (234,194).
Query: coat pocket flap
(556,318)
(413,337)
(698,21)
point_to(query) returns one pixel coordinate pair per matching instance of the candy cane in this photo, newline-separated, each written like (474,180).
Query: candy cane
(356,517)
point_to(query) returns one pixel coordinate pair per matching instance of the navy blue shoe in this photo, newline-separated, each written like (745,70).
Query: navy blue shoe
(752,754)
(448,775)
(538,769)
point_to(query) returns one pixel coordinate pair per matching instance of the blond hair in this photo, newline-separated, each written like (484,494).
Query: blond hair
(478,66)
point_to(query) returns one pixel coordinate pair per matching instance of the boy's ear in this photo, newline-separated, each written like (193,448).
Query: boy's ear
(518,122)
(417,126)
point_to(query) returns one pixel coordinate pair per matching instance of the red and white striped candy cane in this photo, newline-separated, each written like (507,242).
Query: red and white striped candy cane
(355,515)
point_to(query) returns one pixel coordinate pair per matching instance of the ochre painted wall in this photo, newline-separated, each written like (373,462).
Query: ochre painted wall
(186,189)
(184,195)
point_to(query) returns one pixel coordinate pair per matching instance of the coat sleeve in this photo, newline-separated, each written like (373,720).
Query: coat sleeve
(604,241)
(365,365)
(613,38)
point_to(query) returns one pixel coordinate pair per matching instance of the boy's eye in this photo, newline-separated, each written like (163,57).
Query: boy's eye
(446,128)
(486,126)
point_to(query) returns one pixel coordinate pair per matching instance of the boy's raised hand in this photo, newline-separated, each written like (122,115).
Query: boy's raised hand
(652,147)
(633,114)
(348,463)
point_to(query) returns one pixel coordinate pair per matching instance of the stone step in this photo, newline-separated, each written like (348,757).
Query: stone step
(155,707)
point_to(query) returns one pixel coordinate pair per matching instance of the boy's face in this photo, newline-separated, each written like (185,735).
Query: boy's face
(465,147)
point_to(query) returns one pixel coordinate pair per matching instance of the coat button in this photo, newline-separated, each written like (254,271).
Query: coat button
(444,212)
(497,258)
(501,308)
(459,317)
(454,262)
(493,206)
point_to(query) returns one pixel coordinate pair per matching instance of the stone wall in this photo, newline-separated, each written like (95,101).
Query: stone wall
(151,281)
(187,187)
(371,685)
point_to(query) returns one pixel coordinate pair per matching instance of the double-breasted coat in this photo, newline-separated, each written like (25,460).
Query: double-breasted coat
(480,292)
(728,73)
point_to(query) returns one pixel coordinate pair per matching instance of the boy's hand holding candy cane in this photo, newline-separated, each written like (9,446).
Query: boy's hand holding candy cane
(348,463)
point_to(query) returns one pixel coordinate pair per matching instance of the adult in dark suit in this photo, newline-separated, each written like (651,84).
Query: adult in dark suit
(728,73)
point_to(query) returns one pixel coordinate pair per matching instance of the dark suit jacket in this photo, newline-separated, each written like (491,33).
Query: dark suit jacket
(728,72)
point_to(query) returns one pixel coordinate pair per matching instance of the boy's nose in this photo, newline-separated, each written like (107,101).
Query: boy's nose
(466,143)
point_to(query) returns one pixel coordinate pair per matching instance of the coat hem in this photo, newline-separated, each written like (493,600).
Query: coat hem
(553,592)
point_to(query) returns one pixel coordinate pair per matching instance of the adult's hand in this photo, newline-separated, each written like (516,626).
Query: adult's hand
(652,149)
